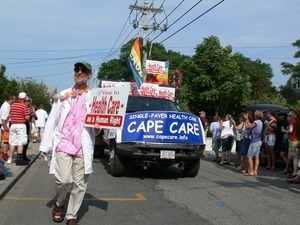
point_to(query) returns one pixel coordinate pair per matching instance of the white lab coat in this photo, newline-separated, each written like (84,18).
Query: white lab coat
(52,133)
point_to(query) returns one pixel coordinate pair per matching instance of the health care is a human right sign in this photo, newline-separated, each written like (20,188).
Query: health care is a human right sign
(157,126)
(107,107)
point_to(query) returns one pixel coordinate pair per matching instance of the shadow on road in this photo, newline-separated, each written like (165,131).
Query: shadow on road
(154,171)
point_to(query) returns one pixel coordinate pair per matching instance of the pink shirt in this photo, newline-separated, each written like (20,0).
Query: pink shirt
(70,142)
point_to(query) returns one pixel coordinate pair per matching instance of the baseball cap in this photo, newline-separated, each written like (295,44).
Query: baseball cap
(22,95)
(84,64)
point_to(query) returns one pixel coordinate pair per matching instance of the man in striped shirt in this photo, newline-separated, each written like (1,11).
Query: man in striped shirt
(19,114)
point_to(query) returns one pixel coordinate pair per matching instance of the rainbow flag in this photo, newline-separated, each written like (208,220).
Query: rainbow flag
(134,61)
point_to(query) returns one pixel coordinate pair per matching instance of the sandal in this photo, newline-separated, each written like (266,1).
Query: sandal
(293,181)
(284,172)
(291,175)
(58,214)
(248,174)
(216,161)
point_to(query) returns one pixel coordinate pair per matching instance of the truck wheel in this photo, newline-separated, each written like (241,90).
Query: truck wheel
(99,151)
(116,161)
(191,168)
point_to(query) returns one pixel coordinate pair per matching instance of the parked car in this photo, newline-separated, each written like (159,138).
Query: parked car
(281,116)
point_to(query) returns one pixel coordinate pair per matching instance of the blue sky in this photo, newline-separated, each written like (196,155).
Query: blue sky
(43,39)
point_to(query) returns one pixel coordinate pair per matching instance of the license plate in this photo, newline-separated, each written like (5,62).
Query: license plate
(164,154)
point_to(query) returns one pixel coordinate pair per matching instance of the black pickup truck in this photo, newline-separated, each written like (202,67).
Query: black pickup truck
(155,132)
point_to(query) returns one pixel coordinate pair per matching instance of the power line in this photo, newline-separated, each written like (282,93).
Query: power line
(51,59)
(109,53)
(66,50)
(51,50)
(114,51)
(253,47)
(264,46)
(179,18)
(166,17)
(191,21)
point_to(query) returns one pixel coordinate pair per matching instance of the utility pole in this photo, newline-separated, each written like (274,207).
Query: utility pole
(145,26)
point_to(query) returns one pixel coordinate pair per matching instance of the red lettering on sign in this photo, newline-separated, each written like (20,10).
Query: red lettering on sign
(113,106)
(99,107)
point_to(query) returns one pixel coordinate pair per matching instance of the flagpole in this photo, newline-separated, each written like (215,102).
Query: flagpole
(145,32)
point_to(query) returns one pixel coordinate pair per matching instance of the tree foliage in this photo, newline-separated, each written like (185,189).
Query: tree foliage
(212,81)
(219,82)
(290,69)
(286,90)
(36,91)
(260,75)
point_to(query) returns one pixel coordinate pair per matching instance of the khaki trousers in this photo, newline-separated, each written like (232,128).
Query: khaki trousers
(70,173)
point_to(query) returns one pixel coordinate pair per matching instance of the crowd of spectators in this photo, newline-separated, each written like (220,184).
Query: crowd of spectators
(255,134)
(17,122)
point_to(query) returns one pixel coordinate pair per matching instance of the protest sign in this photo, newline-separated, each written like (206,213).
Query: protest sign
(107,107)
(157,126)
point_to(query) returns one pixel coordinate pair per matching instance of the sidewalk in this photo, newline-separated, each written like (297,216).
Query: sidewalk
(15,172)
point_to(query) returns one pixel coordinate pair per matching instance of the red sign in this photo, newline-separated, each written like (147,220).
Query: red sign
(104,120)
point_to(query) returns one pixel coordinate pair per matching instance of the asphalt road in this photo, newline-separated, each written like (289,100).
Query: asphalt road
(218,195)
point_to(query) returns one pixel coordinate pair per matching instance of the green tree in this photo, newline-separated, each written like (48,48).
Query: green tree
(212,80)
(36,91)
(294,72)
(260,75)
(7,86)
(175,60)
(114,69)
(290,69)
(3,84)
(289,94)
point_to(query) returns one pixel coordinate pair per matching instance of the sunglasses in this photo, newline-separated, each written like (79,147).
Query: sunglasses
(83,70)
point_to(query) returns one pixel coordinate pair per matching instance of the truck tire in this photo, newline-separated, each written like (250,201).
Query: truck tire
(116,161)
(191,168)
(99,151)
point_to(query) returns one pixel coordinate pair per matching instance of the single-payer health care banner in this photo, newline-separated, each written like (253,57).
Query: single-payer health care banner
(157,126)
(107,107)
